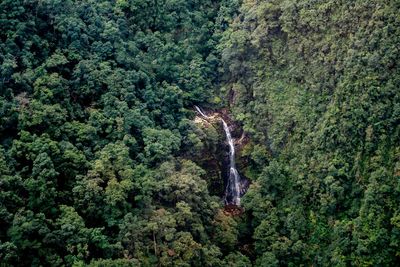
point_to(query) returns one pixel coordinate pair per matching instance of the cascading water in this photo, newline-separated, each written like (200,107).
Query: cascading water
(232,194)
(201,112)
(233,188)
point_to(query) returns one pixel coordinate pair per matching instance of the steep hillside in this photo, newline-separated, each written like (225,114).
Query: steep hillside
(105,160)
(316,84)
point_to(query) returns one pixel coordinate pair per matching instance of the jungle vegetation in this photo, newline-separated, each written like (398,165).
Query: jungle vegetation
(102,162)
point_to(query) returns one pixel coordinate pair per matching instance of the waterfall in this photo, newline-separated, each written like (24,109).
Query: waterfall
(233,189)
(201,112)
(232,194)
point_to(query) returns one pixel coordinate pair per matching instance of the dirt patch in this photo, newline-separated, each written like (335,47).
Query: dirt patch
(233,210)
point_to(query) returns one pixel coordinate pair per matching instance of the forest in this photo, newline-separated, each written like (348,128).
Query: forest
(231,133)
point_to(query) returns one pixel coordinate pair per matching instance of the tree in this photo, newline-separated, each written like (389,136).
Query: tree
(160,144)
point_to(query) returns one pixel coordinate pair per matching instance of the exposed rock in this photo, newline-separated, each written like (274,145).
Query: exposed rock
(220,158)
(233,210)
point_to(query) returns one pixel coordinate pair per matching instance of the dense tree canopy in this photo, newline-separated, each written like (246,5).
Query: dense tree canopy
(316,85)
(103,163)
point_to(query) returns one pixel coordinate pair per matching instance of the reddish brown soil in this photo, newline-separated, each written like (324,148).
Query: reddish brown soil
(233,210)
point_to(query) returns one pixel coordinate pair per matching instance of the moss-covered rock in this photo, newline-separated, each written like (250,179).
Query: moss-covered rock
(213,156)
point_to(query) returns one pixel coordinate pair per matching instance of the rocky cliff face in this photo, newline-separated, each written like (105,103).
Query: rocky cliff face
(214,157)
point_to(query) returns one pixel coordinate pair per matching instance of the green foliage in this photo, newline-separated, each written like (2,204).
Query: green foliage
(109,263)
(94,109)
(314,85)
(102,163)
(237,260)
(160,144)
(226,232)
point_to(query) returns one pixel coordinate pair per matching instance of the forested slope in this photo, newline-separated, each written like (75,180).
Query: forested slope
(100,153)
(95,116)
(316,84)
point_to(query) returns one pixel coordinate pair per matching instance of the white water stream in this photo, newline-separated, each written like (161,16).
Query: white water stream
(232,191)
